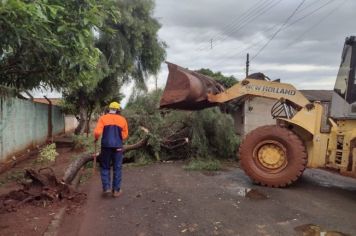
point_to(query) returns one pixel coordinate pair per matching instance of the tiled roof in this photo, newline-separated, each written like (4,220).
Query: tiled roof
(55,101)
(317,95)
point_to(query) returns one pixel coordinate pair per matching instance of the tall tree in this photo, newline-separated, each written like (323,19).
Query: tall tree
(51,42)
(132,51)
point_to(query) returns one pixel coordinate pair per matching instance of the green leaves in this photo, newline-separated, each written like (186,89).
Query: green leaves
(226,81)
(52,42)
(210,132)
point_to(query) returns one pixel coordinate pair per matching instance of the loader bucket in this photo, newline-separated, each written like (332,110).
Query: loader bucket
(187,90)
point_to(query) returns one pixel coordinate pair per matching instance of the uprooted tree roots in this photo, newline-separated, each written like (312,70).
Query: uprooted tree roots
(40,186)
(43,185)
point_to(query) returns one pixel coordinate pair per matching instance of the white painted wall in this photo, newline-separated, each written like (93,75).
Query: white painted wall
(70,123)
(253,113)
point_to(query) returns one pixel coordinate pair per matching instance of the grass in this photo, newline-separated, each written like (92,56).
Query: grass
(203,164)
(14,176)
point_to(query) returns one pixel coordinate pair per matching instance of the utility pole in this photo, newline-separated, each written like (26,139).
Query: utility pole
(247,64)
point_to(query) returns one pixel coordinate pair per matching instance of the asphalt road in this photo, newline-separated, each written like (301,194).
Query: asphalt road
(163,199)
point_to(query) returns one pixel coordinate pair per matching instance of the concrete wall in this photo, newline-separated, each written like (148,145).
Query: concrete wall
(24,124)
(252,114)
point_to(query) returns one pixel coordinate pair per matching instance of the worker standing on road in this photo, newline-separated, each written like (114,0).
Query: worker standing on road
(113,128)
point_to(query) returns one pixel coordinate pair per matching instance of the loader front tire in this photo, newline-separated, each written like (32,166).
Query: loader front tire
(273,156)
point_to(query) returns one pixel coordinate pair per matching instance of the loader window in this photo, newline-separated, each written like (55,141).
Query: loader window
(345,84)
(343,75)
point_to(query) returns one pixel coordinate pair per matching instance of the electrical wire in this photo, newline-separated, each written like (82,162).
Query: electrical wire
(248,19)
(321,20)
(279,30)
(252,45)
(297,39)
(211,34)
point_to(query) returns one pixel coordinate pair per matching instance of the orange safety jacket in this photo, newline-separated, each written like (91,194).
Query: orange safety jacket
(113,128)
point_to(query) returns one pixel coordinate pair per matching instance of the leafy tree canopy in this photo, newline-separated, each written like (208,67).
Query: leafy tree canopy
(226,81)
(131,51)
(134,50)
(51,42)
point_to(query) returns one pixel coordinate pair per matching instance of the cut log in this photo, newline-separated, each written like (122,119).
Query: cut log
(78,163)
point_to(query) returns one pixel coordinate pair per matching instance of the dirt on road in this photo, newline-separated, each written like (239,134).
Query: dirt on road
(32,218)
(164,199)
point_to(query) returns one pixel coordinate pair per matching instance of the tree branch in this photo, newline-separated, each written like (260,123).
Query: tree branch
(78,163)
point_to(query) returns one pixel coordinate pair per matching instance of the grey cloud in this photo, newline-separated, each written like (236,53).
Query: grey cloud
(188,25)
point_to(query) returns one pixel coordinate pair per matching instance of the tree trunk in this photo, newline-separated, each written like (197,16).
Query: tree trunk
(87,122)
(82,115)
(78,163)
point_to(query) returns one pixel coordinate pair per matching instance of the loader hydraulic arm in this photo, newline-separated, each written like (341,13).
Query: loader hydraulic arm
(262,88)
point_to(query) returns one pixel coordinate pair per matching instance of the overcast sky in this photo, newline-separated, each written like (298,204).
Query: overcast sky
(305,49)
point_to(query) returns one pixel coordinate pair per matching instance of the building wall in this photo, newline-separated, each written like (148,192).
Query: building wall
(253,113)
(24,124)
(256,112)
(70,123)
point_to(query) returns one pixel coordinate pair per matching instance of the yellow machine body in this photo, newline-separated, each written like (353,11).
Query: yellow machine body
(305,135)
(335,149)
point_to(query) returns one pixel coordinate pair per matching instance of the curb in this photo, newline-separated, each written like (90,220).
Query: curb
(52,229)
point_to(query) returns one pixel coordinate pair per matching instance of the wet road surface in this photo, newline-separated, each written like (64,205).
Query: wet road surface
(163,199)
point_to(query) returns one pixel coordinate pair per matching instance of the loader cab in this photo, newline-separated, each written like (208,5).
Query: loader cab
(343,105)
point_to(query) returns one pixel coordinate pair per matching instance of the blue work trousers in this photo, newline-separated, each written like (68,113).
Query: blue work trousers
(111,156)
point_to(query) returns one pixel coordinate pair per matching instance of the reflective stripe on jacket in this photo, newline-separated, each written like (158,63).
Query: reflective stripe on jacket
(113,128)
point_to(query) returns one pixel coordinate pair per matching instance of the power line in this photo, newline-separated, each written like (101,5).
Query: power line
(279,30)
(310,13)
(248,18)
(328,14)
(253,44)
(301,10)
(212,35)
(252,14)
(238,17)
(287,26)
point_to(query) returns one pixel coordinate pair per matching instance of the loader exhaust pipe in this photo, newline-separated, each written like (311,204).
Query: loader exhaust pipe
(187,90)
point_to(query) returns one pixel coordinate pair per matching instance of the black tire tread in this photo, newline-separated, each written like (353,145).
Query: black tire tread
(288,136)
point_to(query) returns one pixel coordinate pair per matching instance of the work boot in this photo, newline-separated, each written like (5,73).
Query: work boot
(117,193)
(106,193)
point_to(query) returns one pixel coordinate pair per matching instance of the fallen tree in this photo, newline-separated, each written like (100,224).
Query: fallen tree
(40,186)
(78,163)
(43,185)
(73,169)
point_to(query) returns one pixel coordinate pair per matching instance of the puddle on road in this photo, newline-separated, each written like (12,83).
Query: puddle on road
(316,230)
(251,193)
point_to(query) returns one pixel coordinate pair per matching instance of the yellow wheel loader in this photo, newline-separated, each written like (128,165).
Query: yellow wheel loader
(305,134)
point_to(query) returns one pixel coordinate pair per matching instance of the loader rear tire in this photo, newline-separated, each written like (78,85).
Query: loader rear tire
(273,156)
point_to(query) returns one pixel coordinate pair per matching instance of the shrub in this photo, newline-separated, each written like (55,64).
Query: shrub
(210,132)
(203,164)
(82,142)
(48,154)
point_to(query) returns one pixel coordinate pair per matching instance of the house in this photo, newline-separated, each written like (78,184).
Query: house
(54,101)
(256,111)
